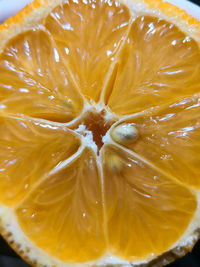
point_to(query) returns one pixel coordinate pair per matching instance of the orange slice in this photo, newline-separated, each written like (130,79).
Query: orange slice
(74,216)
(99,120)
(131,191)
(29,151)
(27,82)
(174,59)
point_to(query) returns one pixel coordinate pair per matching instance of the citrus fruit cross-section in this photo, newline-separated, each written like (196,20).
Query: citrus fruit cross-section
(100,123)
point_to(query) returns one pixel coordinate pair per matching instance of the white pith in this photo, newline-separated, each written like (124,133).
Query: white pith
(7,215)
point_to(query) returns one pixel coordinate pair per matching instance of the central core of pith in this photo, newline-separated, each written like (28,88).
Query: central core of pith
(97,124)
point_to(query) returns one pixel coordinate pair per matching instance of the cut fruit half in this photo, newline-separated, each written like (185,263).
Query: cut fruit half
(99,120)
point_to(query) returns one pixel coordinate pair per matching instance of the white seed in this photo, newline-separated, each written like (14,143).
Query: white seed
(114,163)
(124,133)
(69,103)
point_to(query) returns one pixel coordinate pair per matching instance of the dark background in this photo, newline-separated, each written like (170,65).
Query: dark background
(8,258)
(195,1)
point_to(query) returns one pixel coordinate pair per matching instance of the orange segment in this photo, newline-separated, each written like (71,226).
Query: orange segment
(28,151)
(158,64)
(88,35)
(64,214)
(146,212)
(34,81)
(170,139)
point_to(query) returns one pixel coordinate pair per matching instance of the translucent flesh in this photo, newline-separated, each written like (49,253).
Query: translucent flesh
(169,138)
(88,36)
(157,65)
(64,213)
(34,81)
(139,202)
(28,151)
(145,211)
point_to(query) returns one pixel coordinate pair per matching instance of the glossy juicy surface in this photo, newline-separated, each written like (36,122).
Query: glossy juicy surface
(143,206)
(64,216)
(64,86)
(158,64)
